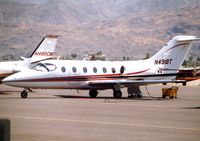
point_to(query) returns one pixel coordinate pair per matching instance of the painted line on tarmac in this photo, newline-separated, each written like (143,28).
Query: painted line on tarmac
(103,123)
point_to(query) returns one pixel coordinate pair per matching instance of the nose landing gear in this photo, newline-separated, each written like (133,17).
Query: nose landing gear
(24,94)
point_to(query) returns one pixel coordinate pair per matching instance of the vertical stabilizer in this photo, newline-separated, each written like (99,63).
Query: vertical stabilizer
(45,49)
(171,56)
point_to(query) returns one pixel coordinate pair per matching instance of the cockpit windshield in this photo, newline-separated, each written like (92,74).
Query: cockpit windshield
(45,67)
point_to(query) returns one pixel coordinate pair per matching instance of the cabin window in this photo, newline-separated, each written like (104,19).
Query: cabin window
(104,70)
(84,69)
(63,69)
(74,69)
(113,70)
(95,70)
(122,69)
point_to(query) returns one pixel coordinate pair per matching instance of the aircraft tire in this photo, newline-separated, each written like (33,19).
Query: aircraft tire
(184,83)
(93,93)
(130,95)
(24,94)
(139,95)
(117,94)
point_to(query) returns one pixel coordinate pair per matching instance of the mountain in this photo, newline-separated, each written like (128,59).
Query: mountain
(118,28)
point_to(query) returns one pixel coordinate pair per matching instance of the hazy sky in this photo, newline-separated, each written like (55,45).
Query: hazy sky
(27,1)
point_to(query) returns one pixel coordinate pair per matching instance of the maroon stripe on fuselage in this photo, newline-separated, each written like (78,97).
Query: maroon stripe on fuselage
(137,72)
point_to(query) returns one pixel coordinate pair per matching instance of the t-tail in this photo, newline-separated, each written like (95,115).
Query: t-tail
(45,49)
(170,58)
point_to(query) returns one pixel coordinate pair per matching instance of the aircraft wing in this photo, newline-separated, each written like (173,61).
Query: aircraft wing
(125,82)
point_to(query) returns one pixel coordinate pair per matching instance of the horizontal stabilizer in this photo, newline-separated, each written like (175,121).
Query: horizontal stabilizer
(187,38)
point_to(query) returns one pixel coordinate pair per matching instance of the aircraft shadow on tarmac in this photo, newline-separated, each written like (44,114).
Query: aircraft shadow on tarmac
(123,98)
(8,92)
(4,93)
(197,107)
(144,98)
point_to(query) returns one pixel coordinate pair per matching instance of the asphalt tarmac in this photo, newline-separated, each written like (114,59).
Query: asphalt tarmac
(65,115)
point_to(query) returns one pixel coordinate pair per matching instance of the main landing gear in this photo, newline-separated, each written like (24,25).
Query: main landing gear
(117,93)
(93,93)
(134,91)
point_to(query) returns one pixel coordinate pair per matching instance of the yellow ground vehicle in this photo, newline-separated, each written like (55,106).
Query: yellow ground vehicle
(171,92)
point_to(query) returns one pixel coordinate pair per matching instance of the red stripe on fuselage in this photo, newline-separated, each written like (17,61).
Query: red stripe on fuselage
(137,72)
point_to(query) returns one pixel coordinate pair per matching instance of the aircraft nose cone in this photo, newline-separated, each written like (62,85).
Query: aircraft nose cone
(15,79)
(9,80)
(21,79)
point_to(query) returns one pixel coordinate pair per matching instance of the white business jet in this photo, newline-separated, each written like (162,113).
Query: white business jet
(45,50)
(100,75)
